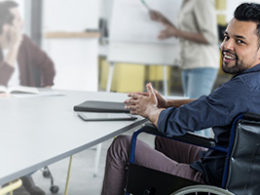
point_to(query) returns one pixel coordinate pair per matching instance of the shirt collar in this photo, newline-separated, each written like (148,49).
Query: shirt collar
(256,68)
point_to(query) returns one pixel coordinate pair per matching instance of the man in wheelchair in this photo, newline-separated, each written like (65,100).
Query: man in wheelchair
(241,58)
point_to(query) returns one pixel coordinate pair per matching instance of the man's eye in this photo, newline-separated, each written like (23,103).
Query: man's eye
(240,42)
(226,37)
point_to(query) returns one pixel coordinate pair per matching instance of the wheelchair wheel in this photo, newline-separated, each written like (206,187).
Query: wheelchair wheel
(202,189)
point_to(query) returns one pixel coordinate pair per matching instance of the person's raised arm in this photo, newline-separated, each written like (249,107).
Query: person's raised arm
(172,31)
(159,17)
(15,39)
(12,39)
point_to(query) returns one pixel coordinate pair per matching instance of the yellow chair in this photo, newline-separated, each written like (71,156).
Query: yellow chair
(131,77)
(11,187)
(221,4)
(155,74)
(126,77)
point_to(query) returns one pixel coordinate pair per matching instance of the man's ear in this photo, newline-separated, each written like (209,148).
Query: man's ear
(258,53)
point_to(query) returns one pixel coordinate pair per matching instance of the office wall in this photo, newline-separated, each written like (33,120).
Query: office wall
(70,15)
(232,4)
(75,58)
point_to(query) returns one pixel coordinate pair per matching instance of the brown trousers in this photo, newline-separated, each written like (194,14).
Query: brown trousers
(170,156)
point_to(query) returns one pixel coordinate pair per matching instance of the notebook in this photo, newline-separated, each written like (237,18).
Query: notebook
(105,116)
(101,106)
(19,90)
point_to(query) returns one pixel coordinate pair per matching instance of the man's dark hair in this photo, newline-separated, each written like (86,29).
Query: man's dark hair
(249,12)
(6,17)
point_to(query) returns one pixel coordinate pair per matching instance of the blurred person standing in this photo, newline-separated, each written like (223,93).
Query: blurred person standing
(198,39)
(20,58)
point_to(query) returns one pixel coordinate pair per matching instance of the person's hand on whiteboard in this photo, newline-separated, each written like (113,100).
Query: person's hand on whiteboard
(168,32)
(159,17)
(155,15)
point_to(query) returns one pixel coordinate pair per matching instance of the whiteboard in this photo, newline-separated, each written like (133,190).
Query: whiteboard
(133,35)
(70,15)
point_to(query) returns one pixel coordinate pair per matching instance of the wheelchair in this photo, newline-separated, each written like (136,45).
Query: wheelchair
(241,171)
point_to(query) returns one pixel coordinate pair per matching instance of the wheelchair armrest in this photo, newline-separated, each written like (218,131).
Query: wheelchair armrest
(187,138)
(196,140)
(251,116)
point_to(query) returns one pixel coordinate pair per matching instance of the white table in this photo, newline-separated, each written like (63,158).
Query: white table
(38,131)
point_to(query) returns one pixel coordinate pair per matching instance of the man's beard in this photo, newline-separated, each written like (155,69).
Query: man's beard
(236,69)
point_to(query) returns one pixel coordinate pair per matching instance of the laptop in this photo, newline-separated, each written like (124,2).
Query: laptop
(101,106)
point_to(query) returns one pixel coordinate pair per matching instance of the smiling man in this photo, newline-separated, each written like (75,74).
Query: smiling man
(241,57)
(240,49)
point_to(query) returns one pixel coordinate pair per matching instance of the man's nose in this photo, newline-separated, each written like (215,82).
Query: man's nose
(227,45)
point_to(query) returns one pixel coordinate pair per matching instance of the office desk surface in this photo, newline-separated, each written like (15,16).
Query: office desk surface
(38,131)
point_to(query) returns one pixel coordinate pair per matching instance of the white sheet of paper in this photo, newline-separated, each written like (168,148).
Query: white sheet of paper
(131,21)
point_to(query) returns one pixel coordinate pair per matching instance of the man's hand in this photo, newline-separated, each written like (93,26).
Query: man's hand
(144,104)
(15,36)
(162,103)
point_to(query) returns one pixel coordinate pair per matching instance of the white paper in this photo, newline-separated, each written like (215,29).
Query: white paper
(131,21)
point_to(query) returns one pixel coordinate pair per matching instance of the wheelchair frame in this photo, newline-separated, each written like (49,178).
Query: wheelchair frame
(196,140)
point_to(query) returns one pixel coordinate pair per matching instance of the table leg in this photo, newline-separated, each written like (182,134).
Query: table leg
(165,83)
(110,76)
(97,159)
(68,177)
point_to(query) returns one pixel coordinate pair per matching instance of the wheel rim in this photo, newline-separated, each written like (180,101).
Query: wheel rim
(212,190)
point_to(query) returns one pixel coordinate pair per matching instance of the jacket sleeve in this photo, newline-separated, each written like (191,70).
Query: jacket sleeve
(6,72)
(217,109)
(42,61)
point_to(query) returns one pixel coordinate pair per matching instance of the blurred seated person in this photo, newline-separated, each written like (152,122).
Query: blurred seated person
(20,58)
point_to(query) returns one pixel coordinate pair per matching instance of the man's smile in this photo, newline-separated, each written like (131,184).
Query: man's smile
(229,57)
